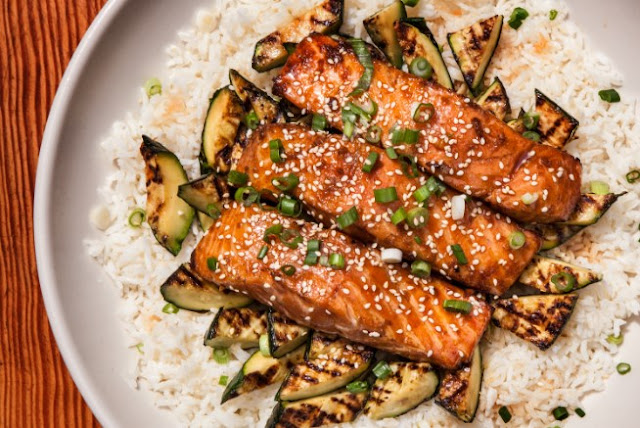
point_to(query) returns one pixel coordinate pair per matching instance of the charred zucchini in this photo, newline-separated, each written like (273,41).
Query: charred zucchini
(554,234)
(473,47)
(259,101)
(495,100)
(237,325)
(333,408)
(553,276)
(186,290)
(418,42)
(168,216)
(590,208)
(271,51)
(408,385)
(536,319)
(202,195)
(260,371)
(556,127)
(331,363)
(459,391)
(284,334)
(380,27)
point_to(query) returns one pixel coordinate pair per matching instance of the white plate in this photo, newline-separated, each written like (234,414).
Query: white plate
(122,48)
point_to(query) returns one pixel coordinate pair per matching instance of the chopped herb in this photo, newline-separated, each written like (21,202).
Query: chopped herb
(531,135)
(422,194)
(212,264)
(170,308)
(399,216)
(348,218)
(313,245)
(221,355)
(580,412)
(263,252)
(459,254)
(288,270)
(391,153)
(362,52)
(275,230)
(615,340)
(373,134)
(633,176)
(553,14)
(530,120)
(417,217)
(421,68)
(336,261)
(137,217)
(423,113)
(420,268)
(461,306)
(417,240)
(382,370)
(290,238)
(214,211)
(623,368)
(319,122)
(409,166)
(246,196)
(505,414)
(289,207)
(560,413)
(237,178)
(404,135)
(517,16)
(286,183)
(224,379)
(609,95)
(311,259)
(139,347)
(275,151)
(517,240)
(358,386)
(435,186)
(153,87)
(370,163)
(386,195)
(252,120)
(564,281)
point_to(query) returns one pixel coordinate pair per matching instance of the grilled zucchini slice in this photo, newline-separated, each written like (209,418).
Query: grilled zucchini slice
(284,334)
(554,234)
(380,27)
(536,319)
(495,100)
(168,216)
(202,195)
(188,291)
(330,364)
(266,108)
(237,325)
(517,125)
(260,371)
(329,409)
(417,41)
(473,47)
(541,272)
(408,385)
(271,51)
(459,391)
(590,208)
(556,127)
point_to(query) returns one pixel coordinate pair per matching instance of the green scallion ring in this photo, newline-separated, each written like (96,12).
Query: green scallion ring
(417,217)
(422,194)
(313,245)
(382,370)
(580,412)
(409,166)
(399,216)
(286,183)
(623,368)
(505,414)
(289,207)
(633,176)
(560,413)
(435,186)
(263,252)
(288,270)
(221,355)
(246,196)
(530,120)
(410,3)
(212,264)
(348,129)
(347,218)
(421,68)
(459,254)
(362,52)
(370,162)
(517,240)
(290,238)
(423,113)
(615,340)
(609,95)
(224,379)
(170,308)
(319,122)
(460,306)
(275,230)
(311,259)
(336,261)
(357,386)
(275,151)
(385,195)
(237,178)
(374,134)
(420,268)
(137,217)
(564,281)
(391,153)
(252,120)
(214,211)
(153,86)
(531,135)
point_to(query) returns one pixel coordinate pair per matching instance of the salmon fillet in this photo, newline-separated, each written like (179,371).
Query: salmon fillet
(332,181)
(465,146)
(368,301)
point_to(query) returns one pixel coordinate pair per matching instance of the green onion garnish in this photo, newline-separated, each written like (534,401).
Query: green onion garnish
(246,196)
(313,245)
(358,386)
(370,162)
(461,306)
(421,68)
(599,187)
(530,120)
(459,254)
(609,95)
(366,113)
(505,414)
(170,308)
(263,252)
(386,195)
(399,216)
(139,347)
(417,217)
(553,14)
(212,264)
(373,134)
(633,176)
(221,355)
(275,230)
(404,135)
(421,268)
(409,166)
(324,260)
(153,87)
(348,218)
(417,240)
(422,194)
(214,211)
(580,412)
(237,178)
(410,3)
(423,113)
(391,153)
(336,261)
(288,270)
(275,151)
(623,368)
(224,379)
(319,122)
(252,120)
(289,207)
(435,186)
(362,52)
(517,240)
(286,183)
(517,16)
(137,217)
(531,135)
(564,281)
(263,343)
(311,259)
(560,413)
(382,370)
(348,129)
(290,238)
(615,340)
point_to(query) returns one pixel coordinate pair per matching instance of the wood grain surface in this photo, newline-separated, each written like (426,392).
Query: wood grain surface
(37,39)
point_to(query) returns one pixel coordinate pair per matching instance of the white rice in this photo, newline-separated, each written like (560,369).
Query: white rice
(179,370)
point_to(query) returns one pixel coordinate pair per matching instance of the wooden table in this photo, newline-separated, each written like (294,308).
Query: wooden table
(37,39)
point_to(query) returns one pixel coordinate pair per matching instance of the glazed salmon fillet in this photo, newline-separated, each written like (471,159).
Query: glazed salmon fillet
(463,145)
(366,301)
(332,181)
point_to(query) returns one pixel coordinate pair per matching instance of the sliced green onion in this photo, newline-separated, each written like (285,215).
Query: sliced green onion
(289,207)
(348,129)
(311,259)
(153,87)
(224,379)
(560,413)
(417,217)
(529,198)
(530,120)
(599,187)
(609,95)
(517,240)
(404,135)
(417,240)
(580,412)
(420,268)
(221,355)
(290,238)
(237,178)
(623,368)
(505,414)
(391,153)
(382,370)
(263,252)
(275,151)
(313,245)
(214,211)
(348,218)
(170,308)
(564,281)
(615,340)
(517,16)
(386,195)
(358,386)
(423,113)
(290,47)
(531,135)
(252,120)
(324,260)
(139,347)
(319,122)
(212,264)
(286,183)
(370,163)
(459,254)
(399,216)
(288,270)
(365,113)
(409,166)
(374,134)
(336,261)
(461,306)
(410,3)
(362,52)
(633,176)
(422,194)
(435,186)
(247,196)
(553,14)
(275,230)
(263,343)
(421,68)
(137,217)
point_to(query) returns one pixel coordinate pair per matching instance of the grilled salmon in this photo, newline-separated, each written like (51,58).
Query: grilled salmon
(465,146)
(354,294)
(332,181)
